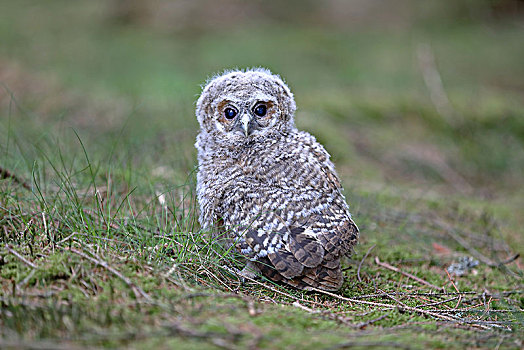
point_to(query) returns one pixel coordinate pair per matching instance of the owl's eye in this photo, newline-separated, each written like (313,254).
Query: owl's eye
(260,110)
(230,113)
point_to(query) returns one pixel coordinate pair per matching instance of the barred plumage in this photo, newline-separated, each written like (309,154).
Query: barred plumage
(272,188)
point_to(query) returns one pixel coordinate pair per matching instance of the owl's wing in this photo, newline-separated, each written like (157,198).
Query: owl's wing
(303,225)
(304,256)
(327,236)
(289,250)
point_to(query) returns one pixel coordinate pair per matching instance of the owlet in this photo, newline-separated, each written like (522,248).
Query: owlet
(268,187)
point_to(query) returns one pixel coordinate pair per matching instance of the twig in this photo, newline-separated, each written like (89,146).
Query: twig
(250,303)
(24,260)
(6,174)
(305,308)
(473,310)
(46,230)
(510,259)
(370,344)
(440,302)
(276,290)
(169,239)
(216,338)
(362,261)
(66,239)
(404,308)
(27,278)
(215,277)
(327,313)
(393,268)
(182,283)
(367,323)
(103,238)
(136,289)
(440,294)
(356,301)
(395,299)
(454,286)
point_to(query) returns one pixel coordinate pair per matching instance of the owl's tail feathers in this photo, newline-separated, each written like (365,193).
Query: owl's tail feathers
(326,276)
(285,263)
(305,247)
(340,240)
(301,251)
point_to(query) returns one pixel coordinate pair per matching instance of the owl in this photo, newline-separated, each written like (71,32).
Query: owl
(268,187)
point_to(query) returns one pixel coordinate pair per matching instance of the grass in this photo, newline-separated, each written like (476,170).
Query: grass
(99,240)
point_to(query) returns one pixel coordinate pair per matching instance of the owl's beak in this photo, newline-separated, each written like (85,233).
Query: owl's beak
(245,120)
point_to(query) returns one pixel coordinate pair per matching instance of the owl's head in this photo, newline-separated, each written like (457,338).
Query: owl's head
(241,105)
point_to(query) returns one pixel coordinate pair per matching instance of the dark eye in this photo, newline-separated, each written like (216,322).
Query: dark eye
(230,113)
(260,110)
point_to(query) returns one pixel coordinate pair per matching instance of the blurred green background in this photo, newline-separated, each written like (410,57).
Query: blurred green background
(405,94)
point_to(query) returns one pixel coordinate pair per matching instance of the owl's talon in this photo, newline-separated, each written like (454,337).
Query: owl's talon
(247,274)
(250,271)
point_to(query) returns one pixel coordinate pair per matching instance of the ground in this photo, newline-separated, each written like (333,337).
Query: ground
(100,244)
